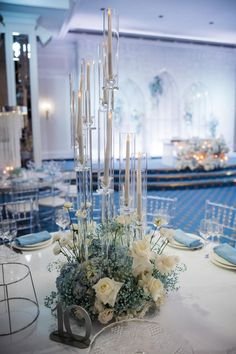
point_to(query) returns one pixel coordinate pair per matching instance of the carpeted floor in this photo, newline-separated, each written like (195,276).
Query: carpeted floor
(191,204)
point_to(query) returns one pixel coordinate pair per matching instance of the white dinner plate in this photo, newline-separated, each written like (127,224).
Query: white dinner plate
(180,246)
(35,246)
(221,262)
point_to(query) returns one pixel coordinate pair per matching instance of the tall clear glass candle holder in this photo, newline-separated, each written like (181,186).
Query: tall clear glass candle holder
(127,172)
(111,45)
(102,69)
(106,167)
(140,194)
(83,178)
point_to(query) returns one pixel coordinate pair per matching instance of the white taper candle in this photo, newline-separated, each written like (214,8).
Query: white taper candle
(127,170)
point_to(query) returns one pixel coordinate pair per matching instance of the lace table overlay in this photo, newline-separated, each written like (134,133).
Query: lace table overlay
(137,337)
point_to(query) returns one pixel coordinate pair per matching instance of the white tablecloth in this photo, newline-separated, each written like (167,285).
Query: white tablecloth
(203,310)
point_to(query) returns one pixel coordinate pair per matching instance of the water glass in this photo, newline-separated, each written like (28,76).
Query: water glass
(205,229)
(62,218)
(210,230)
(216,230)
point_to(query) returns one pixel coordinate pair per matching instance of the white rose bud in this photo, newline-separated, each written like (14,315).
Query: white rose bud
(105,316)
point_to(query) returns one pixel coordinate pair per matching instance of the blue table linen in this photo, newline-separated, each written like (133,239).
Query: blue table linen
(32,239)
(186,240)
(227,252)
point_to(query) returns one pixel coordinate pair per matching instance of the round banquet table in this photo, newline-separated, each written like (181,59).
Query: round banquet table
(203,310)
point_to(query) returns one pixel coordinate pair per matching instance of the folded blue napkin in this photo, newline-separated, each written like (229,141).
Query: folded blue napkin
(31,239)
(186,240)
(227,252)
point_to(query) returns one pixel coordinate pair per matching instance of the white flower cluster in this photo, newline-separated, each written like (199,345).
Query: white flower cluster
(145,261)
(106,292)
(206,153)
(62,240)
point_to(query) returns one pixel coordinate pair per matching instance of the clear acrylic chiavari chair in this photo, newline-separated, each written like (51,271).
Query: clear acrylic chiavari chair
(224,215)
(161,207)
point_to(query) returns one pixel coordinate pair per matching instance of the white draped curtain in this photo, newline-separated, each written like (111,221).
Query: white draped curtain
(11,125)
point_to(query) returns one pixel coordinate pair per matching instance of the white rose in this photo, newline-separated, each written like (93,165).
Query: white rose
(141,265)
(141,248)
(107,290)
(167,233)
(155,288)
(165,264)
(105,316)
(57,249)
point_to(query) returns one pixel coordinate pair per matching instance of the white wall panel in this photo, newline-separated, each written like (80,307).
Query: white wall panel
(139,62)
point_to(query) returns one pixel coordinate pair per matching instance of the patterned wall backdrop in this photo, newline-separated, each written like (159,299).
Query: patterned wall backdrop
(166,91)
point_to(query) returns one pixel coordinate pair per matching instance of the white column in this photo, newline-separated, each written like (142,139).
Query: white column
(11,83)
(34,89)
(25,24)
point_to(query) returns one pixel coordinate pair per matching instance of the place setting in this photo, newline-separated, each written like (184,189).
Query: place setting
(224,256)
(33,242)
(186,241)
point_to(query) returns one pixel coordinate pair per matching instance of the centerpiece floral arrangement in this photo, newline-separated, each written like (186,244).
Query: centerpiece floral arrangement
(118,277)
(207,154)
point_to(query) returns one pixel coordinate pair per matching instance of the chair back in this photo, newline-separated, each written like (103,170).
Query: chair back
(161,206)
(224,215)
(24,191)
(23,213)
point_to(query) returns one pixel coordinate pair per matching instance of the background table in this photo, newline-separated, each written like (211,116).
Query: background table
(203,310)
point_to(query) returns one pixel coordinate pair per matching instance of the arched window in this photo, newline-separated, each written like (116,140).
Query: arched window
(129,113)
(196,111)
(165,123)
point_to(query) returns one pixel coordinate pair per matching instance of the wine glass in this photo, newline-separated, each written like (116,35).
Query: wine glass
(62,219)
(216,230)
(205,230)
(12,230)
(8,231)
